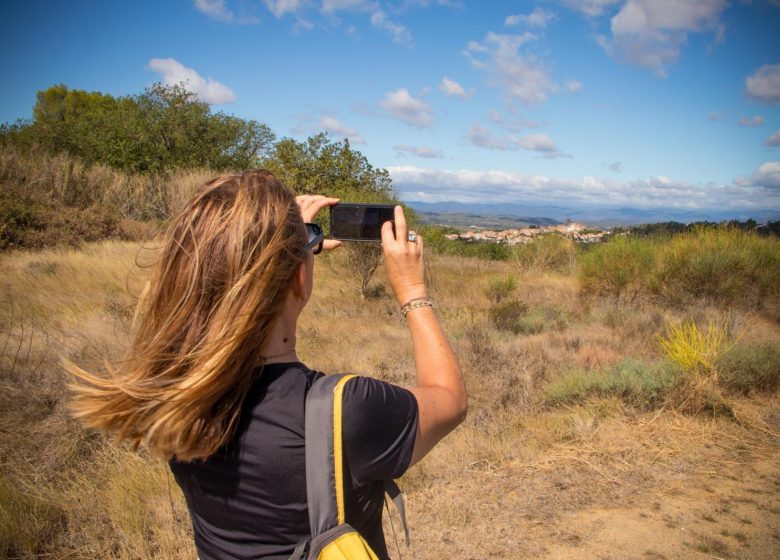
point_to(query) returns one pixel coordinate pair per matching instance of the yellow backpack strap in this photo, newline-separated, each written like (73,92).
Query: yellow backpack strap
(324,453)
(338,448)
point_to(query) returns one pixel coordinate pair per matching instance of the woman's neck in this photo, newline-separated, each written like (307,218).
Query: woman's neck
(280,346)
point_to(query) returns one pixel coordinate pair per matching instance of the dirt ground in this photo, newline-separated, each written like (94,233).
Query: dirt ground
(656,487)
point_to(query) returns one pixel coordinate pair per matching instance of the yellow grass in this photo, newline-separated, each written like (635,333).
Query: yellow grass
(503,485)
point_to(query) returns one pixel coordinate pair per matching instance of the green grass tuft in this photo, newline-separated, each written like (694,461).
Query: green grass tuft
(639,384)
(747,368)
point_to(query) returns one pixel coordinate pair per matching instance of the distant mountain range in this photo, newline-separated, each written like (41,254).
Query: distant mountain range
(507,215)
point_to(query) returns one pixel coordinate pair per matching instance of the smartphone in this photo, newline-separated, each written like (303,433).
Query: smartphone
(359,222)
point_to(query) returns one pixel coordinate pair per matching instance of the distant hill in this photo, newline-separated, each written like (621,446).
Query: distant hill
(507,215)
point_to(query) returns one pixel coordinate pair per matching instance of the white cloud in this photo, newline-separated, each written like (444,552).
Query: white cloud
(335,127)
(214,9)
(420,151)
(590,7)
(537,143)
(329,6)
(451,88)
(773,141)
(308,123)
(426,3)
(377,16)
(572,86)
(761,191)
(483,137)
(521,77)
(757,120)
(280,7)
(651,33)
(399,32)
(173,72)
(764,85)
(217,10)
(767,176)
(413,111)
(537,18)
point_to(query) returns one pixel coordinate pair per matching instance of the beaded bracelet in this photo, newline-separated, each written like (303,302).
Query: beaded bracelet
(415,303)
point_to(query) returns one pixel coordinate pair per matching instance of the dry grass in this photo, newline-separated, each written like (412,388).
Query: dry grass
(503,485)
(48,200)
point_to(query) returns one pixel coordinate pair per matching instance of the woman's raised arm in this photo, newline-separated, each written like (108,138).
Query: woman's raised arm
(440,392)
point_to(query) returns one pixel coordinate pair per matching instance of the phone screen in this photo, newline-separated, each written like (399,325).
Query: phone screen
(361,222)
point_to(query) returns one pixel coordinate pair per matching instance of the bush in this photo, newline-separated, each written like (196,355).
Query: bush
(748,368)
(552,252)
(516,317)
(722,265)
(618,267)
(500,288)
(645,386)
(697,353)
(28,220)
(437,242)
(726,265)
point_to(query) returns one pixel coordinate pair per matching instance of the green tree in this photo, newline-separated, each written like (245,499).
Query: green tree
(162,128)
(319,165)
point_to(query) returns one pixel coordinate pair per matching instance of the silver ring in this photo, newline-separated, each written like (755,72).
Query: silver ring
(412,236)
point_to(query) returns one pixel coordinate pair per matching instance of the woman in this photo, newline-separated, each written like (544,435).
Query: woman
(214,385)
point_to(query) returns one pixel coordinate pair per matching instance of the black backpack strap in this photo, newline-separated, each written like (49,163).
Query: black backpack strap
(392,490)
(300,551)
(324,453)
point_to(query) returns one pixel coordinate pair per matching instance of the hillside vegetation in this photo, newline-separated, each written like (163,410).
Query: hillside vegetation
(578,401)
(623,398)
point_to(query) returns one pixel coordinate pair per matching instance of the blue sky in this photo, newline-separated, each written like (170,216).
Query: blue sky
(644,103)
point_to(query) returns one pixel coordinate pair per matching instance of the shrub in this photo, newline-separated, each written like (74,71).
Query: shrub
(507,316)
(500,288)
(357,264)
(516,317)
(748,368)
(437,242)
(697,354)
(27,220)
(639,384)
(721,265)
(618,267)
(724,265)
(695,351)
(552,252)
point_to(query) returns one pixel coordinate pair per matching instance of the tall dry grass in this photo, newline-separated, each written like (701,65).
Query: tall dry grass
(65,492)
(48,200)
(721,266)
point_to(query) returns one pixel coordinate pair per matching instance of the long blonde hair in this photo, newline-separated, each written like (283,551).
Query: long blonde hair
(227,264)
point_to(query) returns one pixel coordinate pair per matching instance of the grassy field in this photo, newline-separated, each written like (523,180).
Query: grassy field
(622,416)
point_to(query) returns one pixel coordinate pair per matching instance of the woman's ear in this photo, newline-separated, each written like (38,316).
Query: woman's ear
(300,283)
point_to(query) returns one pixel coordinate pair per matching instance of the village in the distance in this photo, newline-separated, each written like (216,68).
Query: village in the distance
(579,233)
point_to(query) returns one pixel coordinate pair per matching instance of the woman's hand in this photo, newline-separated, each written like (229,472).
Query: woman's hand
(310,205)
(403,260)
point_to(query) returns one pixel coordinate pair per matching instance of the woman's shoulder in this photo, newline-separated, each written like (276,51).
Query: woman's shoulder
(380,425)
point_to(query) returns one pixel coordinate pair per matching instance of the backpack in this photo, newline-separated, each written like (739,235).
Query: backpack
(331,537)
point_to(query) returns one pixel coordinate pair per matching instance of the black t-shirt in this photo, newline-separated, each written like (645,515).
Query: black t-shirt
(248,500)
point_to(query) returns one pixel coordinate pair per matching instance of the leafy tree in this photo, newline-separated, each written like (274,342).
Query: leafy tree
(319,165)
(164,127)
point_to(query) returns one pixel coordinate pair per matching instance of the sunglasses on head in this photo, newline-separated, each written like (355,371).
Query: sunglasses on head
(315,237)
